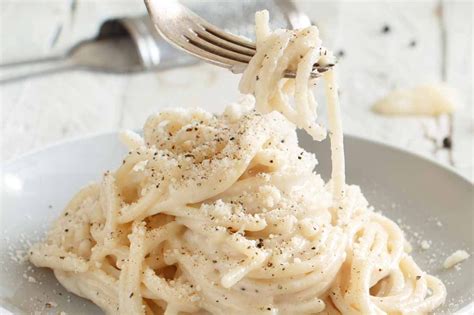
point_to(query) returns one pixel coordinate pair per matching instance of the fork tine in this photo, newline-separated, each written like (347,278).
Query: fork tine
(194,39)
(217,41)
(229,37)
(320,69)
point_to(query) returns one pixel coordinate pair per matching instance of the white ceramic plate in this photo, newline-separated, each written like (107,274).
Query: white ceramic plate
(421,193)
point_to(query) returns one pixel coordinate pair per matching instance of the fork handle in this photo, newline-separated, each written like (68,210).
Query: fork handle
(19,70)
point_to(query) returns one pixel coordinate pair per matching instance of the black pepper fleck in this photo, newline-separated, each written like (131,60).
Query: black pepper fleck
(447,143)
(386,29)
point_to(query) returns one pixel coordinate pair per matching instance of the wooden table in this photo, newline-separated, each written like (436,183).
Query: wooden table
(382,46)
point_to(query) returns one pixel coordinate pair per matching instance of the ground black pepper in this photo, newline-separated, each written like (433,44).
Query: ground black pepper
(447,143)
(386,29)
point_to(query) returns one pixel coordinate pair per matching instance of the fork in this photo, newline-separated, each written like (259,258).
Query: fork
(122,45)
(187,31)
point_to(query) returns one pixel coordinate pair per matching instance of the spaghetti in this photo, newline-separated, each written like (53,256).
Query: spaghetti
(224,214)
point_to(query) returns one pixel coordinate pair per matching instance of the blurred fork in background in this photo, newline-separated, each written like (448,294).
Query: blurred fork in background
(131,44)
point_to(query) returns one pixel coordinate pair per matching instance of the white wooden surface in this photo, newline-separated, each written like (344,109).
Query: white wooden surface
(40,111)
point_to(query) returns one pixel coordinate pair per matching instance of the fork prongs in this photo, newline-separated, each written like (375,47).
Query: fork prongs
(216,45)
(315,74)
(228,37)
(214,40)
(211,43)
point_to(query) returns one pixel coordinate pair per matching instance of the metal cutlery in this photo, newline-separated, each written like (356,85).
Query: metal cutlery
(188,31)
(132,44)
(121,46)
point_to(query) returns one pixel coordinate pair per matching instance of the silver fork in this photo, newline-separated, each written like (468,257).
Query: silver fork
(188,31)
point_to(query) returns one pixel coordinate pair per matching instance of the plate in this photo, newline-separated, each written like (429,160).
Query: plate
(429,201)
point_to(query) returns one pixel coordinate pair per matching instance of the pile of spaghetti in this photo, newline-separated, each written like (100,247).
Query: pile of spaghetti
(224,214)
